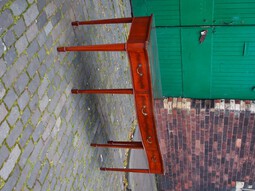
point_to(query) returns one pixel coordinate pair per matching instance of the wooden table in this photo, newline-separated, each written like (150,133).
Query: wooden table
(141,48)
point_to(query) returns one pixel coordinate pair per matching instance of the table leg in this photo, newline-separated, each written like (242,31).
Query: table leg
(126,170)
(100,47)
(124,142)
(103,91)
(126,146)
(104,21)
(134,143)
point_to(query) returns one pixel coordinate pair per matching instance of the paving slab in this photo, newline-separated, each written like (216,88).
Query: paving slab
(45,130)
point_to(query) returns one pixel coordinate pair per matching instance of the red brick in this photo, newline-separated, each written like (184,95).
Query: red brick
(207,148)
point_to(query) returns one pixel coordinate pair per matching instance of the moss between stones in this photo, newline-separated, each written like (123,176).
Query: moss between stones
(2,183)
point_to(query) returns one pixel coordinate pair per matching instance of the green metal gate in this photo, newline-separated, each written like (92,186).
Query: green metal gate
(223,65)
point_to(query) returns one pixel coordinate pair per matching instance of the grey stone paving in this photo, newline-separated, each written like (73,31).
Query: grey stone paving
(45,131)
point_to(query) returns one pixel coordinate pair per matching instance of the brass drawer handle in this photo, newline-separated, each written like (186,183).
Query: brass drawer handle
(149,139)
(143,111)
(138,68)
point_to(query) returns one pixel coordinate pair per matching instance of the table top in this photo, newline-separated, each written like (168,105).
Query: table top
(143,57)
(154,62)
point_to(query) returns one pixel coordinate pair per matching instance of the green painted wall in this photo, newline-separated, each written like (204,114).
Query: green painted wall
(169,51)
(223,66)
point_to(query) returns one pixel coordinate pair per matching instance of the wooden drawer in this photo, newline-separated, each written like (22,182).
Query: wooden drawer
(146,120)
(155,161)
(140,71)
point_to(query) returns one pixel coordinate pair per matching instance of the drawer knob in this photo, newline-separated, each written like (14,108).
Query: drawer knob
(138,70)
(149,139)
(143,111)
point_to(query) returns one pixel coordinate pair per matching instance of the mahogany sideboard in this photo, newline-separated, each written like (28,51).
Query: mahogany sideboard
(141,48)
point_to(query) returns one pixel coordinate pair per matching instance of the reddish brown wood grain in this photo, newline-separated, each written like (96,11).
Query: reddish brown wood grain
(126,170)
(103,91)
(131,145)
(136,48)
(105,21)
(100,47)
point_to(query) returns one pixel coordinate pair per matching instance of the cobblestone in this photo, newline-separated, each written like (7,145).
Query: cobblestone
(31,14)
(41,4)
(39,129)
(21,83)
(9,38)
(18,7)
(43,87)
(35,117)
(48,129)
(56,18)
(10,163)
(25,116)
(42,70)
(45,148)
(32,49)
(33,85)
(2,47)
(34,173)
(42,20)
(32,32)
(23,100)
(33,67)
(41,40)
(12,180)
(2,3)
(10,56)
(48,28)
(3,112)
(26,153)
(21,63)
(46,185)
(14,134)
(20,27)
(36,151)
(14,114)
(6,20)
(23,178)
(10,98)
(2,91)
(21,44)
(26,134)
(2,67)
(4,153)
(37,186)
(45,130)
(43,103)
(44,172)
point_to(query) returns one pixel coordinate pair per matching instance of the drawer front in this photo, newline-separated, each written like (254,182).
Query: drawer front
(146,121)
(155,161)
(140,71)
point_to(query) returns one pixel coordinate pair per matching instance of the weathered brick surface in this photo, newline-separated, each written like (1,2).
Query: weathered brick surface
(45,131)
(206,144)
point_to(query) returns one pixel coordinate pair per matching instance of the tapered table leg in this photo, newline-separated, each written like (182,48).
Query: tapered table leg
(104,21)
(103,91)
(124,142)
(126,146)
(126,170)
(100,47)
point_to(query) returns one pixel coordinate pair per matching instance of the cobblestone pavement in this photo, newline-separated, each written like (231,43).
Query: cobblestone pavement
(45,130)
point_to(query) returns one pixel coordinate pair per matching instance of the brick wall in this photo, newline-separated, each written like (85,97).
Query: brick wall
(206,144)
